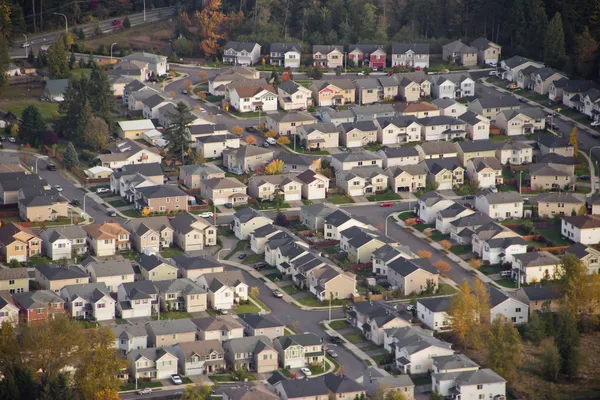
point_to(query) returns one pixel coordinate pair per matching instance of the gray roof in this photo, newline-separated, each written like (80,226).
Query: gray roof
(291,117)
(439,147)
(326,127)
(398,152)
(363,126)
(473,220)
(476,146)
(150,169)
(453,361)
(170,327)
(153,100)
(56,86)
(65,232)
(384,380)
(372,108)
(53,272)
(413,170)
(239,46)
(430,198)
(285,47)
(402,121)
(440,120)
(417,48)
(580,250)
(301,388)
(197,169)
(216,280)
(358,155)
(319,209)
(289,87)
(503,197)
(265,230)
(129,330)
(553,158)
(183,285)
(435,165)
(406,267)
(302,339)
(146,57)
(37,298)
(337,218)
(515,61)
(188,262)
(452,211)
(469,378)
(139,289)
(553,197)
(149,262)
(161,191)
(182,223)
(444,103)
(552,141)
(258,321)
(459,47)
(153,353)
(471,118)
(13,273)
(436,304)
(482,43)
(218,323)
(498,102)
(326,49)
(342,384)
(247,214)
(481,163)
(546,170)
(538,293)
(250,344)
(13,181)
(516,145)
(367,172)
(294,159)
(367,83)
(537,258)
(90,292)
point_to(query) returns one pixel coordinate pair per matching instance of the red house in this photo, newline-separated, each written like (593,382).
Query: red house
(36,307)
(369,55)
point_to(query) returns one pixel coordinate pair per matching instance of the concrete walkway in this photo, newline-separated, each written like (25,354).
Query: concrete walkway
(350,346)
(593,177)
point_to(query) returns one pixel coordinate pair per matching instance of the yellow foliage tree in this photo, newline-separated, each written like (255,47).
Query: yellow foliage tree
(145,212)
(475,263)
(573,141)
(250,139)
(14,130)
(424,254)
(271,133)
(283,140)
(274,167)
(316,165)
(107,394)
(446,244)
(238,130)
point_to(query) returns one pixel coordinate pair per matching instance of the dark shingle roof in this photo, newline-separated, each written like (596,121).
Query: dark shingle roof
(436,304)
(53,272)
(257,321)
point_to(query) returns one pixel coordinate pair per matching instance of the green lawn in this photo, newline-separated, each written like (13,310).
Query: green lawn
(491,269)
(246,309)
(582,189)
(221,378)
(445,289)
(507,283)
(382,359)
(225,231)
(46,109)
(508,188)
(118,203)
(499,138)
(141,385)
(267,205)
(33,261)
(339,199)
(438,237)
(422,227)
(170,252)
(313,302)
(252,259)
(316,369)
(373,146)
(337,325)
(274,277)
(291,290)
(388,195)
(246,114)
(172,315)
(407,215)
(78,73)
(460,249)
(260,303)
(355,337)
(131,213)
(554,236)
(306,202)
(422,379)
(507,173)
(371,347)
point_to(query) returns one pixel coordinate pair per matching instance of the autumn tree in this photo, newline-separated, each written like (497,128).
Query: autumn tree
(255,291)
(550,360)
(283,140)
(424,254)
(209,22)
(442,267)
(573,140)
(192,392)
(238,130)
(504,348)
(271,133)
(580,289)
(446,244)
(250,140)
(395,395)
(96,134)
(274,167)
(315,165)
(461,314)
(145,212)
(475,263)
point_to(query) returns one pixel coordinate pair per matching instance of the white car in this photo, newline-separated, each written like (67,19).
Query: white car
(176,379)
(144,391)
(207,214)
(494,73)
(58,188)
(494,189)
(306,371)
(102,190)
(361,73)
(595,123)
(410,307)
(12,139)
(271,141)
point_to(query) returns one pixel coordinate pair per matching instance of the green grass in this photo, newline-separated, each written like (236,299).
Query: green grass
(306,202)
(388,195)
(336,365)
(438,237)
(554,236)
(316,369)
(141,385)
(313,302)
(491,269)
(33,261)
(331,250)
(60,221)
(291,290)
(131,214)
(274,277)
(507,283)
(508,188)
(246,309)
(407,215)
(337,325)
(86,324)
(373,146)
(46,109)
(582,189)
(225,231)
(260,303)
(118,203)
(252,259)
(78,73)
(339,199)
(221,378)
(285,372)
(268,205)
(422,379)
(371,347)
(460,249)
(172,315)
(382,359)
(507,173)
(422,227)
(445,289)
(499,138)
(355,337)
(170,252)
(246,114)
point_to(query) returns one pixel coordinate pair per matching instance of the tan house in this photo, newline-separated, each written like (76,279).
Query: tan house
(412,276)
(14,280)
(314,185)
(18,243)
(328,56)
(285,124)
(589,256)
(154,268)
(488,52)
(170,332)
(475,148)
(181,295)
(557,203)
(420,109)
(319,136)
(409,91)
(361,181)
(192,232)
(12,182)
(327,282)
(334,92)
(407,178)
(134,129)
(54,277)
(194,267)
(247,158)
(300,350)
(546,177)
(247,220)
(358,134)
(524,121)
(107,239)
(489,107)
(293,96)
(445,173)
(537,297)
(221,191)
(192,175)
(557,145)
(253,353)
(212,146)
(39,204)
(460,53)
(543,77)
(161,198)
(221,328)
(153,233)
(360,242)
(152,363)
(485,171)
(264,187)
(368,90)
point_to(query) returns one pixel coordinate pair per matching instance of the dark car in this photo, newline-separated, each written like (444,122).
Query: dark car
(242,256)
(469,197)
(228,205)
(251,129)
(260,265)
(111,213)
(75,202)
(334,339)
(51,167)
(584,178)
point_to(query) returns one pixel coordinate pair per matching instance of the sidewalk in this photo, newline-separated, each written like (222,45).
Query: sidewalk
(353,348)
(593,177)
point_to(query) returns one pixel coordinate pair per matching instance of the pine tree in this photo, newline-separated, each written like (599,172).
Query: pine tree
(70,158)
(567,341)
(537,22)
(555,53)
(585,53)
(100,94)
(177,132)
(32,126)
(550,360)
(126,23)
(58,65)
(4,61)
(504,348)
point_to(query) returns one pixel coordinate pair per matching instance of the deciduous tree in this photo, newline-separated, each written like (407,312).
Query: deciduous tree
(271,133)
(238,130)
(284,140)
(580,289)
(446,244)
(274,167)
(442,266)
(250,139)
(202,392)
(461,313)
(573,141)
(550,360)
(209,22)
(504,348)
(424,254)
(96,133)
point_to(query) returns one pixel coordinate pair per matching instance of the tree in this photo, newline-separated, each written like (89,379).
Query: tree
(271,133)
(70,158)
(504,348)
(183,46)
(555,53)
(4,61)
(424,254)
(580,289)
(436,396)
(573,140)
(17,383)
(274,167)
(126,23)
(462,314)
(96,134)
(535,330)
(537,24)
(250,140)
(58,64)
(283,140)
(550,360)
(209,23)
(101,96)
(177,132)
(56,387)
(475,263)
(237,130)
(14,263)
(582,210)
(255,291)
(446,244)
(202,392)
(442,267)
(107,394)
(585,53)
(567,341)
(32,126)
(145,212)
(9,346)
(395,395)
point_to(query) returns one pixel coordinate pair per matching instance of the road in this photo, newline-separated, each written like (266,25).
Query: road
(36,41)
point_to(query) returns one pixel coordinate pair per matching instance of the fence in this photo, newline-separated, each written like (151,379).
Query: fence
(545,225)
(198,207)
(388,294)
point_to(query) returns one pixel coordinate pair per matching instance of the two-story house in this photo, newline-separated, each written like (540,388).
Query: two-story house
(38,306)
(515,153)
(319,136)
(254,98)
(265,187)
(488,52)
(332,92)
(534,266)
(107,239)
(286,124)
(486,171)
(221,328)
(54,277)
(369,55)
(224,288)
(460,53)
(137,299)
(204,357)
(167,332)
(130,337)
(293,96)
(300,350)
(152,363)
(399,130)
(584,229)
(112,271)
(412,55)
(14,280)
(181,295)
(220,191)
(18,243)
(285,55)
(261,325)
(241,53)
(328,56)
(63,242)
(253,353)
(89,301)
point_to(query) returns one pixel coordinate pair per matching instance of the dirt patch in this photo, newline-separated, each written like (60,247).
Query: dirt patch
(148,37)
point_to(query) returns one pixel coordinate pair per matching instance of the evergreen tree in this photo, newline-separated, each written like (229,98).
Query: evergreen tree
(126,23)
(4,61)
(504,348)
(567,341)
(32,126)
(58,65)
(72,60)
(17,383)
(550,360)
(70,158)
(100,94)
(555,53)
(537,22)
(177,133)
(585,53)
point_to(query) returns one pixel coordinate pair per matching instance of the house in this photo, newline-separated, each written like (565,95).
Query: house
(462,229)
(261,325)
(501,205)
(224,288)
(368,91)
(557,203)
(342,387)
(155,268)
(546,177)
(537,297)
(137,299)
(9,312)
(192,232)
(509,307)
(333,92)
(107,239)
(221,191)
(385,254)
(253,353)
(524,121)
(286,124)
(12,182)
(486,171)
(214,145)
(589,256)
(429,204)
(449,107)
(484,383)
(419,109)
(241,53)
(89,301)
(152,104)
(54,277)
(39,204)
(112,272)
(318,136)
(121,179)
(564,163)
(414,349)
(204,357)
(398,130)
(377,379)
(259,238)
(293,96)
(460,53)
(443,88)
(358,134)
(14,280)
(594,202)
(163,333)
(557,145)
(398,156)
(368,55)
(336,117)
(535,266)
(265,187)
(488,52)
(409,91)
(407,178)
(374,320)
(524,77)
(55,89)
(192,175)
(152,363)
(511,66)
(314,185)
(496,244)
(252,393)
(589,103)
(357,158)
(161,198)
(247,158)
(515,153)
(445,173)
(285,55)
(412,276)
(135,99)
(216,85)
(301,389)
(221,328)
(489,107)
(298,351)
(156,64)
(134,86)
(373,112)
(19,243)
(413,55)
(433,312)
(247,220)
(361,181)
(313,215)
(327,282)
(449,214)
(453,363)
(584,229)
(38,306)
(129,152)
(328,56)
(389,87)
(63,242)
(570,91)
(434,150)
(442,128)
(194,267)
(98,172)
(205,130)
(543,77)
(150,235)
(477,127)
(133,129)
(254,98)
(338,221)
(297,163)
(130,184)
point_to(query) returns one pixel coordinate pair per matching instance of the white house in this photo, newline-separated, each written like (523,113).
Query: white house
(224,288)
(415,348)
(433,312)
(503,305)
(254,98)
(584,229)
(477,384)
(241,53)
(430,204)
(137,299)
(501,205)
(153,363)
(91,301)
(285,54)
(130,336)
(157,64)
(534,266)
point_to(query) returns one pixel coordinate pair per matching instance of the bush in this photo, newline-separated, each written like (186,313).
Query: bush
(126,23)
(87,155)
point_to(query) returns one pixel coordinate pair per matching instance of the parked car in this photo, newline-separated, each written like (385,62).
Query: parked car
(386,204)
(228,205)
(266,145)
(102,190)
(361,73)
(236,170)
(176,379)
(251,129)
(75,203)
(116,22)
(584,178)
(410,307)
(206,214)
(306,371)
(58,188)
(390,73)
(111,213)
(494,73)
(335,339)
(469,197)
(12,140)
(506,273)
(595,123)
(331,353)
(271,140)
(242,256)
(144,391)
(184,91)
(260,265)
(522,99)
(494,189)
(277,294)
(51,167)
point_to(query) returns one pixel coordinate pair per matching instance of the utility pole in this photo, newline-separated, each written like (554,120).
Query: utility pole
(26,47)
(144,10)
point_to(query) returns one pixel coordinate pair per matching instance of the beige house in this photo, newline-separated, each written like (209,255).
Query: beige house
(54,277)
(247,158)
(445,173)
(362,181)
(515,153)
(285,124)
(487,52)
(14,280)
(546,177)
(18,243)
(154,233)
(247,220)
(420,109)
(42,204)
(152,363)
(192,232)
(543,77)
(524,121)
(476,148)
(194,267)
(221,328)
(489,107)
(368,91)
(107,239)
(361,242)
(539,296)
(212,146)
(264,187)
(181,295)
(319,136)
(9,312)
(409,91)
(407,178)
(556,203)
(486,171)
(293,96)
(589,256)
(134,129)
(154,268)
(460,53)
(328,56)
(161,198)
(557,145)
(224,190)
(412,276)
(170,332)
(254,353)
(327,282)
(192,175)
(358,134)
(334,92)
(314,185)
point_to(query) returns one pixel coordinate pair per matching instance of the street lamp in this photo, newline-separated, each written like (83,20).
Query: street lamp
(592,160)
(66,22)
(111,46)
(219,253)
(26,45)
(386,222)
(84,196)
(38,159)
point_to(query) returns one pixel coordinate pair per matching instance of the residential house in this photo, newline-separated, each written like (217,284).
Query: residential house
(410,91)
(509,307)
(19,243)
(452,86)
(433,312)
(132,87)
(398,130)
(374,318)
(413,55)
(546,177)
(152,363)
(589,256)
(511,66)
(336,117)
(489,107)
(398,156)
(221,191)
(319,136)
(181,295)
(137,299)
(299,351)
(450,214)
(524,121)
(107,239)
(192,175)
(150,235)
(286,124)
(570,91)
(525,77)
(412,276)
(167,332)
(313,215)
(343,387)
(157,65)
(486,171)
(357,158)
(328,56)
(247,220)
(135,99)
(254,98)
(369,55)
(429,204)
(155,268)
(419,109)
(328,282)
(557,145)
(563,163)
(478,127)
(535,266)
(152,104)
(449,107)
(482,383)
(333,92)
(584,229)
(38,306)
(194,267)
(460,53)
(129,152)
(293,96)
(389,86)
(241,53)
(161,198)
(360,242)
(446,173)
(475,149)
(55,89)
(63,242)
(89,301)
(221,328)
(453,363)
(285,55)
(300,389)
(14,280)
(589,104)
(432,150)
(358,134)
(224,288)
(54,277)
(247,158)
(39,204)
(9,312)
(407,178)
(216,85)
(214,145)
(265,187)
(515,153)
(442,128)
(414,349)
(361,181)
(368,91)
(501,205)
(254,353)
(338,221)
(121,180)
(488,53)
(201,132)
(12,182)
(98,172)
(377,379)
(462,229)
(543,77)
(112,272)
(556,203)
(538,297)
(192,232)
(314,184)
(261,325)
(260,237)
(373,112)
(205,357)
(252,393)
(133,129)
(495,244)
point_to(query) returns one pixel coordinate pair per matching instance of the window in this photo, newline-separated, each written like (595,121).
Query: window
(479,387)
(518,309)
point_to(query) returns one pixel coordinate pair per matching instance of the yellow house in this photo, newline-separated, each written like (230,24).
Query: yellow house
(98,172)
(154,268)
(133,129)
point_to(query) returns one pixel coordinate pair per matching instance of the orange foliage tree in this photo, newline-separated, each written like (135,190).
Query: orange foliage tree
(238,130)
(424,254)
(250,139)
(475,263)
(209,23)
(442,266)
(271,133)
(283,140)
(274,167)
(446,244)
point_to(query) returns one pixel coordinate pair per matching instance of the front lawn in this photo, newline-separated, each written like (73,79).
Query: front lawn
(46,109)
(221,378)
(118,203)
(383,359)
(499,138)
(339,199)
(340,324)
(170,252)
(407,215)
(460,249)
(306,202)
(373,146)
(252,259)
(316,369)
(274,277)
(249,308)
(172,315)
(387,195)
(355,337)
(491,269)
(291,290)
(507,283)
(445,289)
(313,302)
(239,246)
(554,236)
(267,205)
(131,213)
(141,385)
(421,227)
